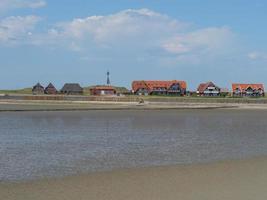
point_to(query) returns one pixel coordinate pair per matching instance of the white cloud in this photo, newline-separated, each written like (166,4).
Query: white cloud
(139,24)
(140,31)
(208,40)
(35,4)
(129,33)
(6,5)
(257,55)
(17,29)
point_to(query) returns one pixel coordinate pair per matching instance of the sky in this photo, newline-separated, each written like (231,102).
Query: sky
(79,40)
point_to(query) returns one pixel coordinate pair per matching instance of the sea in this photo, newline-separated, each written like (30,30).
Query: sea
(36,145)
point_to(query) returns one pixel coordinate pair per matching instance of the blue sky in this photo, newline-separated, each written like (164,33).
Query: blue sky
(79,40)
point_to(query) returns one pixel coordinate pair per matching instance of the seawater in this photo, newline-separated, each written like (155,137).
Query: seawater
(35,145)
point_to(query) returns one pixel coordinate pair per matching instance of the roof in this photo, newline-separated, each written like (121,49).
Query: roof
(50,86)
(203,86)
(38,85)
(74,87)
(156,84)
(244,86)
(104,87)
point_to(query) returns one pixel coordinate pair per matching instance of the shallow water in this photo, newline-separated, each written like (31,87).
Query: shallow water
(48,144)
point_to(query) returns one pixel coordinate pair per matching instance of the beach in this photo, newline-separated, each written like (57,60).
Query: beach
(236,180)
(116,151)
(56,105)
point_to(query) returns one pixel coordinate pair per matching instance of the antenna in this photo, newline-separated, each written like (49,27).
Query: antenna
(108,79)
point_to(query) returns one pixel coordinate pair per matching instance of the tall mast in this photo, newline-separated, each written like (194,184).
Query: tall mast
(108,79)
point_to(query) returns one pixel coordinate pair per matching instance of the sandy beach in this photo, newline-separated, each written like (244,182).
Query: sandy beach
(237,180)
(234,179)
(49,105)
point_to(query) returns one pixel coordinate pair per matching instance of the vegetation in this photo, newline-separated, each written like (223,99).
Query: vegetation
(19,91)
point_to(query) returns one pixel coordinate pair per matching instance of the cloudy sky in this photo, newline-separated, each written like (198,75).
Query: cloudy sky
(79,40)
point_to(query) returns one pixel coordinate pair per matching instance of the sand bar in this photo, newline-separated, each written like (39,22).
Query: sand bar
(237,180)
(27,105)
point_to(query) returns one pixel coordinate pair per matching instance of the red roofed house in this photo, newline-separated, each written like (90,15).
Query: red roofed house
(208,89)
(159,87)
(102,90)
(250,90)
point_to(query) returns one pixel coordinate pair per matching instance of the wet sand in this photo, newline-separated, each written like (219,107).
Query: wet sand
(237,180)
(28,105)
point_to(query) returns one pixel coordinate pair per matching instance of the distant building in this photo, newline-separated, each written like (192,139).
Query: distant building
(208,89)
(102,90)
(248,90)
(38,89)
(72,89)
(50,89)
(176,88)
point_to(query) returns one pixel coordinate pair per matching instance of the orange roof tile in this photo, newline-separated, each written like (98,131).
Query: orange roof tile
(149,85)
(244,86)
(203,86)
(103,88)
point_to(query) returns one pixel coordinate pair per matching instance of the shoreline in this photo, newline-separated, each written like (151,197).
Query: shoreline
(49,105)
(234,179)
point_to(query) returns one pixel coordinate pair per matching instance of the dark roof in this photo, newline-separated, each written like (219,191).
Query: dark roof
(50,88)
(50,85)
(74,87)
(38,86)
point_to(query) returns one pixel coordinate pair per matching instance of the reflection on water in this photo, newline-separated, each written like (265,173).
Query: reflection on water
(38,144)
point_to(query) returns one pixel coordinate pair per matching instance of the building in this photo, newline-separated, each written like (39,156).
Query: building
(50,89)
(72,89)
(208,89)
(102,90)
(176,88)
(248,90)
(38,89)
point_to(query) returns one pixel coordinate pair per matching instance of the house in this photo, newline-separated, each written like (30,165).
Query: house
(50,89)
(248,90)
(72,89)
(177,88)
(38,89)
(208,89)
(103,90)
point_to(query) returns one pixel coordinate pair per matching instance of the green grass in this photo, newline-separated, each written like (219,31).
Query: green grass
(19,91)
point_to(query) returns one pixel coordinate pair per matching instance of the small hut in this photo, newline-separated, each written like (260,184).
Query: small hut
(102,90)
(72,89)
(50,89)
(38,89)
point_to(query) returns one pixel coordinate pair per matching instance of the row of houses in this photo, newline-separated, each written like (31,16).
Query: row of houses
(68,88)
(179,88)
(72,89)
(143,87)
(159,87)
